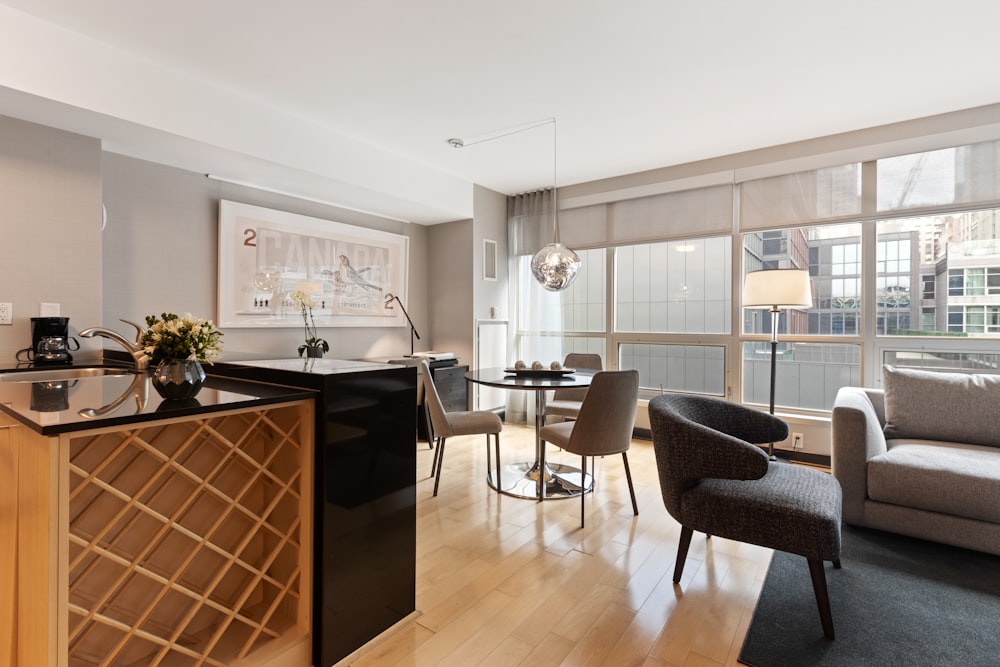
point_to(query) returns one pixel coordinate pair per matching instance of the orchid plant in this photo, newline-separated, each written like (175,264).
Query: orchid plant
(305,304)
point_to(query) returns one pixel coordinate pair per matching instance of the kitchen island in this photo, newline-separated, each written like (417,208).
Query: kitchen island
(138,531)
(365,494)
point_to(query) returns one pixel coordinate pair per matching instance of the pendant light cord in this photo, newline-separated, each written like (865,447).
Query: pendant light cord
(555,180)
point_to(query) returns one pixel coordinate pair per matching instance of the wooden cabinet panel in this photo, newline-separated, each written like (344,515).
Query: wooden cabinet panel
(184,541)
(8,542)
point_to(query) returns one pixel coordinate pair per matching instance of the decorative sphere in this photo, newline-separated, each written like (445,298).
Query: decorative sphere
(537,366)
(555,266)
(555,365)
(520,365)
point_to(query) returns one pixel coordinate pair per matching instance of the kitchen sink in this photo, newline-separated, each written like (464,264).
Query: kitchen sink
(64,374)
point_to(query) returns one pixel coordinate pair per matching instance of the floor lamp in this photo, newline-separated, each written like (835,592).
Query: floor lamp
(776,289)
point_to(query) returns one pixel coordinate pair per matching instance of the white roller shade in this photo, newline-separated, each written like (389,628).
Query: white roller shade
(828,194)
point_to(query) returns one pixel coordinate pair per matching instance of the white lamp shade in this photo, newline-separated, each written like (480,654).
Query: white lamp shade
(777,288)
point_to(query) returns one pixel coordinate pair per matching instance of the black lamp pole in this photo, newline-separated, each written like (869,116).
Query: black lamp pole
(413,329)
(775,314)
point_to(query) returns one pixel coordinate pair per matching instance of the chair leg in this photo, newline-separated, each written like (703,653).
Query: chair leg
(440,464)
(583,485)
(631,490)
(496,437)
(489,458)
(836,564)
(682,552)
(822,597)
(437,452)
(541,473)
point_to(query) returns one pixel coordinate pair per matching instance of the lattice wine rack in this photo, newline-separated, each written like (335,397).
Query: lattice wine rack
(187,541)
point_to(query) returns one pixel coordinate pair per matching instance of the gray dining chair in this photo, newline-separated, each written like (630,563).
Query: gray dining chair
(566,402)
(603,426)
(716,479)
(444,425)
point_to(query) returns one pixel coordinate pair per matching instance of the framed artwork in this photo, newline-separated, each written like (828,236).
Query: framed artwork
(351,274)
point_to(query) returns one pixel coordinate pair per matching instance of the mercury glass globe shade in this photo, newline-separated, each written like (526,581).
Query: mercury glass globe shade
(555,266)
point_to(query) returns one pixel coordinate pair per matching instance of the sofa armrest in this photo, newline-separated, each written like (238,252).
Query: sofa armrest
(857,437)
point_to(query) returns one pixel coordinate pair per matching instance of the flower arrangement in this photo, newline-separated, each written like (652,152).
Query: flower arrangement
(188,337)
(305,303)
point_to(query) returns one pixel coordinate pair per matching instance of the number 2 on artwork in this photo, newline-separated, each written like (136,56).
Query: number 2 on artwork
(250,237)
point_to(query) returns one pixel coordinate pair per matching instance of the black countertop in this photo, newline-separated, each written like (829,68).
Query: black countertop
(51,408)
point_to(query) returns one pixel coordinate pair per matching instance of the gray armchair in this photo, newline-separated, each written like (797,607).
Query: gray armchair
(716,480)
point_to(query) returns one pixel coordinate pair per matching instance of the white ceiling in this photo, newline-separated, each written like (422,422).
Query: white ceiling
(353,102)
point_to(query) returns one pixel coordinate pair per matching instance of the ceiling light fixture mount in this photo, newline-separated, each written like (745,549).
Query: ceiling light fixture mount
(554,266)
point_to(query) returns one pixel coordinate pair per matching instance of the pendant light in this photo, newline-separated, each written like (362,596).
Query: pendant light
(554,266)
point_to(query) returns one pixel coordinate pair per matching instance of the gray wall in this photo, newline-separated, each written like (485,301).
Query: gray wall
(459,295)
(161,255)
(50,217)
(450,288)
(158,252)
(490,209)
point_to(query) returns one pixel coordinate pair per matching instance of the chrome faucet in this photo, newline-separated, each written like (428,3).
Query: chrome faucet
(139,390)
(135,349)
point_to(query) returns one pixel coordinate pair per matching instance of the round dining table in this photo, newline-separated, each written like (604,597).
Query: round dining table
(537,479)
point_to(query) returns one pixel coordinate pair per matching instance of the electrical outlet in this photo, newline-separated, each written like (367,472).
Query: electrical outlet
(6,313)
(798,442)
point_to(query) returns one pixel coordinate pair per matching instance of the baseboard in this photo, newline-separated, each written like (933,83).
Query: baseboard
(822,460)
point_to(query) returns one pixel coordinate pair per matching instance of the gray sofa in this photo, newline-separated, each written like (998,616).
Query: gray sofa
(921,456)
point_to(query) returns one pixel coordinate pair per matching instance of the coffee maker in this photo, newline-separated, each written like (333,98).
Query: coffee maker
(50,341)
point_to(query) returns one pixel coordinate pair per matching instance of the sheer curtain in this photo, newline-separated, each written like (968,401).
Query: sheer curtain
(536,311)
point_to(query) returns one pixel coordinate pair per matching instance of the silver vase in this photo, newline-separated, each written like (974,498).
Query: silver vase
(178,379)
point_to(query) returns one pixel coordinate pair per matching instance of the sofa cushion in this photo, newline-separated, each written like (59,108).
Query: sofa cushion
(955,407)
(951,478)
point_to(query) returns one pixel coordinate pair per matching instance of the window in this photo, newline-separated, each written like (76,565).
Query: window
(674,287)
(946,360)
(807,375)
(689,368)
(919,285)
(964,254)
(832,253)
(548,321)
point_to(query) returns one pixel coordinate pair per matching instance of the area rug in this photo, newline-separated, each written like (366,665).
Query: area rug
(896,601)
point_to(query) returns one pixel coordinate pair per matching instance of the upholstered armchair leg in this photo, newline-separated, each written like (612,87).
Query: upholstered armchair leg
(836,564)
(439,453)
(822,597)
(682,552)
(631,489)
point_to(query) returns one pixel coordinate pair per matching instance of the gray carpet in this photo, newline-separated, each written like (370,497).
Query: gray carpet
(896,601)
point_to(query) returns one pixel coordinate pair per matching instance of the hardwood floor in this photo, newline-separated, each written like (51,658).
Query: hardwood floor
(504,581)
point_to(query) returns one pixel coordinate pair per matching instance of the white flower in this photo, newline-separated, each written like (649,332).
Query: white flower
(188,337)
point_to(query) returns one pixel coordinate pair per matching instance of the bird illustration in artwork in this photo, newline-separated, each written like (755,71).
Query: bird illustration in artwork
(348,275)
